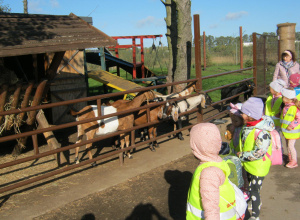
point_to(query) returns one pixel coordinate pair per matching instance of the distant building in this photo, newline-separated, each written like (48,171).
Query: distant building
(247,44)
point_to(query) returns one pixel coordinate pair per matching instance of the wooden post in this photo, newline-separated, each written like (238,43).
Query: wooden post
(204,51)
(102,58)
(3,94)
(198,61)
(62,157)
(241,48)
(142,57)
(254,64)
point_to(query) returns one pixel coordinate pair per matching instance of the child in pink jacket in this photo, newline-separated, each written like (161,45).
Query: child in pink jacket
(290,124)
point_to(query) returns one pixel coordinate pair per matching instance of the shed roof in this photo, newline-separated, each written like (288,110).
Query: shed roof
(22,34)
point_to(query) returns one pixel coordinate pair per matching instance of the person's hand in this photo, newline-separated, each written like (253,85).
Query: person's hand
(289,128)
(228,135)
(238,154)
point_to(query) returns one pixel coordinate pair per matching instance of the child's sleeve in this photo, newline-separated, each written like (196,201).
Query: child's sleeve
(262,144)
(211,179)
(276,72)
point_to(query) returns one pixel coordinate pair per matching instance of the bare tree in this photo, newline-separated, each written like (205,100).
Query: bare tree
(4,8)
(179,37)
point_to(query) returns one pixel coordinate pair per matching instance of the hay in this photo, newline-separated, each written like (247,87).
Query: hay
(11,120)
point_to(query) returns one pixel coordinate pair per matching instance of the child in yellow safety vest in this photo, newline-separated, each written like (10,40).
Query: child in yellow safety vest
(211,195)
(273,105)
(290,124)
(255,148)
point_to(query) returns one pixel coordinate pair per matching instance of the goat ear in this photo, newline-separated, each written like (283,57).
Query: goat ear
(160,112)
(175,115)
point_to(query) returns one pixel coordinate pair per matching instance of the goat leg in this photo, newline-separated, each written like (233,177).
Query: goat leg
(115,142)
(150,133)
(127,141)
(179,125)
(156,145)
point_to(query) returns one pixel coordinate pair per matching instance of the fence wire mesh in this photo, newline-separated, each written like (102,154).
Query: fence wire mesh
(266,59)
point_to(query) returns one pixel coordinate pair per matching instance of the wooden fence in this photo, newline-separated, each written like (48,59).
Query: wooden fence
(60,151)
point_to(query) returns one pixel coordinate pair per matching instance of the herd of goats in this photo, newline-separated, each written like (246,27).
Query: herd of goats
(170,109)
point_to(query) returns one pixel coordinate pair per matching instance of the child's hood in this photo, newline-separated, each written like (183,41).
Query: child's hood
(206,141)
(266,124)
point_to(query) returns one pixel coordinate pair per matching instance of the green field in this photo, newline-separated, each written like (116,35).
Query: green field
(96,88)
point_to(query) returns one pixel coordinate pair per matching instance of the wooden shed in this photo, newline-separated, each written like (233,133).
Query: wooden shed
(36,47)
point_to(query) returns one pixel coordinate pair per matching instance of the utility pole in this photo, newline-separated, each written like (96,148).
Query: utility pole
(25,6)
(241,48)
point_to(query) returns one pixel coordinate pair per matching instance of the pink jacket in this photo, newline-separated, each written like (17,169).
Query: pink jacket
(211,179)
(280,72)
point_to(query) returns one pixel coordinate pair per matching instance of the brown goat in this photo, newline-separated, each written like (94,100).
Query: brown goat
(156,113)
(108,125)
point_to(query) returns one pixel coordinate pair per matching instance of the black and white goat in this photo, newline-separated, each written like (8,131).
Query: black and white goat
(184,106)
(234,90)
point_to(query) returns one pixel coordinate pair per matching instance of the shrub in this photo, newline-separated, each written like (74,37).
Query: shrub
(249,63)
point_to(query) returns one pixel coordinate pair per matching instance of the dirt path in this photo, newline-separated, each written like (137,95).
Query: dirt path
(161,194)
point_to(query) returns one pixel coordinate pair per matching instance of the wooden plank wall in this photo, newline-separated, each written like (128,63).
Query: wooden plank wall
(69,84)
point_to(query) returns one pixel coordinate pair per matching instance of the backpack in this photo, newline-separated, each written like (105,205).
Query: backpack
(276,157)
(235,165)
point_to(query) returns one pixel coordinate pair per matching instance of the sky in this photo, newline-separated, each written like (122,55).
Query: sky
(146,17)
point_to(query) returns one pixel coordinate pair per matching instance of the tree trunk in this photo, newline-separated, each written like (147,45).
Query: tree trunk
(171,21)
(179,37)
(25,3)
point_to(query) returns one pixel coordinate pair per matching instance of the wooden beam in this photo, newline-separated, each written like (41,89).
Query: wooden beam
(56,61)
(24,103)
(51,140)
(36,101)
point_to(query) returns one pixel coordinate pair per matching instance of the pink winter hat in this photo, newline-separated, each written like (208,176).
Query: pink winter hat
(294,79)
(205,141)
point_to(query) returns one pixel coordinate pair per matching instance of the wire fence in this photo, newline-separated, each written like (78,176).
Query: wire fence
(266,59)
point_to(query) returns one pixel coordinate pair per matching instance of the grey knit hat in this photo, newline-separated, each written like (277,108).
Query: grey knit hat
(253,107)
(278,84)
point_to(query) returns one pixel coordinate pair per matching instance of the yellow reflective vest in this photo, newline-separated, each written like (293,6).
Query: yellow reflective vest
(286,120)
(272,111)
(259,167)
(227,201)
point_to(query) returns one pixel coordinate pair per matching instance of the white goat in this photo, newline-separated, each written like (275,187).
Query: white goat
(190,88)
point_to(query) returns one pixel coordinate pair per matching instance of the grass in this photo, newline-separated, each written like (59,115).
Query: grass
(96,88)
